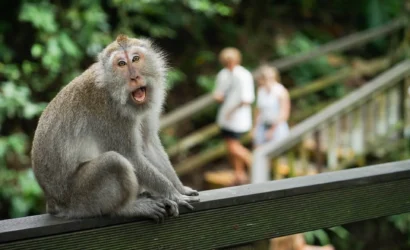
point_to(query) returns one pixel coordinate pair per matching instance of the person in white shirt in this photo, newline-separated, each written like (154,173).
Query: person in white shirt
(234,90)
(272,107)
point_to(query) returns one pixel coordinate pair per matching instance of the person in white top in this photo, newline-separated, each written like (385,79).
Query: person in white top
(234,90)
(272,107)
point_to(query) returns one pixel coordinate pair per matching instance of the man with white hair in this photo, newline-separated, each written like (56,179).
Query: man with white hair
(235,91)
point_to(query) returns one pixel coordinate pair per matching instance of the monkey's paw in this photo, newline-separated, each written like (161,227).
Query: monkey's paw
(171,207)
(155,209)
(189,191)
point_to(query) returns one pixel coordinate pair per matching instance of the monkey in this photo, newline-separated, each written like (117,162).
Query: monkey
(96,150)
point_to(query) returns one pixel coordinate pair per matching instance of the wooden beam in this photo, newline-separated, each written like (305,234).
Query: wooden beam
(187,110)
(231,216)
(194,139)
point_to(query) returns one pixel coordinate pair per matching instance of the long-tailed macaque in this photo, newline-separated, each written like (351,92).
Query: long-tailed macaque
(97,148)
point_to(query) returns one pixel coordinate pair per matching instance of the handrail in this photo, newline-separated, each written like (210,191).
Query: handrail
(231,216)
(273,149)
(367,68)
(341,44)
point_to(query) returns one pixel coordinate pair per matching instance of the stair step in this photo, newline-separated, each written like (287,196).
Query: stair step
(225,177)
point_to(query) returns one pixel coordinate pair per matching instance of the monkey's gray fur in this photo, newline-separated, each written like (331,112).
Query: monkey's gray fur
(96,148)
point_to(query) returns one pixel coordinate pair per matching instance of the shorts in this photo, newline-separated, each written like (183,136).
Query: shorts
(229,134)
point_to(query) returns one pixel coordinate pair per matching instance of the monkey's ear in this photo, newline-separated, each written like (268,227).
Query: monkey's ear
(100,57)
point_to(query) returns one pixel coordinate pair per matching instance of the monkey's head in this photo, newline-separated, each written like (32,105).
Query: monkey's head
(133,73)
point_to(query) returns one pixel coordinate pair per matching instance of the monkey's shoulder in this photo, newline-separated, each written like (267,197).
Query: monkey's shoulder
(81,92)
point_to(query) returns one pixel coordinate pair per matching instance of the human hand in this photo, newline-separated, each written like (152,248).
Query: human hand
(218,97)
(269,134)
(252,132)
(228,115)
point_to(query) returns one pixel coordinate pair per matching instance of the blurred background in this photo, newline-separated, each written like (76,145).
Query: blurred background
(44,44)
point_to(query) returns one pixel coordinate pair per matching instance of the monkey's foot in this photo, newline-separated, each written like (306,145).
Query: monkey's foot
(156,209)
(189,191)
(170,206)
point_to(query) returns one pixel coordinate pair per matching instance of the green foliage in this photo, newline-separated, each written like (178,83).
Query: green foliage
(309,71)
(206,82)
(18,187)
(175,77)
(320,235)
(402,223)
(22,191)
(15,102)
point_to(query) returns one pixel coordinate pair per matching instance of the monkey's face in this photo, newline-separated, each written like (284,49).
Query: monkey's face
(135,73)
(128,65)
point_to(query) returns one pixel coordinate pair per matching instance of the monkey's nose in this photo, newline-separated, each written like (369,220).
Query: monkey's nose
(135,78)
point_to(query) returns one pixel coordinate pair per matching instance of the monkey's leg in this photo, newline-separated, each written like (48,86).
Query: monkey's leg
(158,157)
(108,185)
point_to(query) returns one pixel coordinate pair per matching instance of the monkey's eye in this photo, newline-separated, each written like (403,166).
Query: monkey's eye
(121,63)
(135,58)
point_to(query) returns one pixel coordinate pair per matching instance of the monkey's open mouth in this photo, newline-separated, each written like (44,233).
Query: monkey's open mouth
(139,94)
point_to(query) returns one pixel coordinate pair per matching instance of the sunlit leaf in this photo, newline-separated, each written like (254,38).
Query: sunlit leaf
(68,45)
(40,15)
(20,206)
(36,50)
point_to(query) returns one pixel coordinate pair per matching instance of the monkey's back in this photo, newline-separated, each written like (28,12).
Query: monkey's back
(61,135)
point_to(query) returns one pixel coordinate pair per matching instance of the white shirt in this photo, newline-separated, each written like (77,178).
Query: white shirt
(268,103)
(236,86)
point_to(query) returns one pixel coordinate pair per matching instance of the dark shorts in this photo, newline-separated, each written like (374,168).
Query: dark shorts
(229,134)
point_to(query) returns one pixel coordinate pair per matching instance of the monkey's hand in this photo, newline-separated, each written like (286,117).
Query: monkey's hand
(189,191)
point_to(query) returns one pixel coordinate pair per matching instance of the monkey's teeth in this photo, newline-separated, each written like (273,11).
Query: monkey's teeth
(139,94)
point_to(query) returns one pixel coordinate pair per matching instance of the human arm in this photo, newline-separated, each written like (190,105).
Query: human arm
(284,112)
(247,93)
(218,97)
(235,108)
(256,120)
(284,107)
(221,86)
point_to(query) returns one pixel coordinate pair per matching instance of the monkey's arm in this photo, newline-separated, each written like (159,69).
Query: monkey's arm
(152,179)
(155,153)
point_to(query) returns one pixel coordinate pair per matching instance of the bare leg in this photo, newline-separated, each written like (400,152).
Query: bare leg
(239,151)
(241,176)
(238,161)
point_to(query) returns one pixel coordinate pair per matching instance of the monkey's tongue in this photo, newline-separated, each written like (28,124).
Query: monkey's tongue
(139,94)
